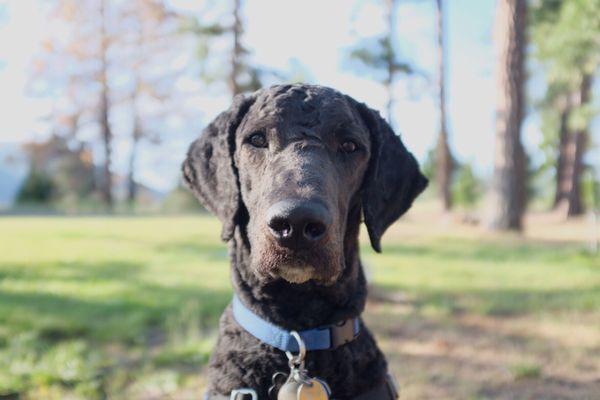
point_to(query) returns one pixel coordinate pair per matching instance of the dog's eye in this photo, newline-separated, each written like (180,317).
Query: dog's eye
(258,139)
(349,146)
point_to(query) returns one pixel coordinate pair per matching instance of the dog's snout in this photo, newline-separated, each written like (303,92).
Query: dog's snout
(298,223)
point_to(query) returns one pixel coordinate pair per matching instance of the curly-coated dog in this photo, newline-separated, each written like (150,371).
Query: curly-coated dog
(291,171)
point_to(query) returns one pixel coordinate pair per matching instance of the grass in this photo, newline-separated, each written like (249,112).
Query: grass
(117,307)
(526,371)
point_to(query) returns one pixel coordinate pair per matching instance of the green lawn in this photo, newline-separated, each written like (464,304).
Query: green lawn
(120,307)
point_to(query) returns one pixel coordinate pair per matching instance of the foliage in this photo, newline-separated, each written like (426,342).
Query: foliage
(181,200)
(38,188)
(428,165)
(60,173)
(591,189)
(378,58)
(235,66)
(566,38)
(467,188)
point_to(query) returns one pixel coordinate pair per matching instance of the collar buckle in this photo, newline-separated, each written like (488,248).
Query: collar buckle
(343,332)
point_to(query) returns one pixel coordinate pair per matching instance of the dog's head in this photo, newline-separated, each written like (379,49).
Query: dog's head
(288,165)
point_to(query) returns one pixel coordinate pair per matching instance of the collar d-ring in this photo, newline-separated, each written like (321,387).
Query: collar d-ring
(297,359)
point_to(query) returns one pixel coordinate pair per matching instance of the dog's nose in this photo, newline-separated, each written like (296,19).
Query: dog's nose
(298,223)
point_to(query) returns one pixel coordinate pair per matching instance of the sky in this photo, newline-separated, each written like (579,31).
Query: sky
(317,36)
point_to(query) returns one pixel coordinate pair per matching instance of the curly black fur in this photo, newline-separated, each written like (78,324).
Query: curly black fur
(390,184)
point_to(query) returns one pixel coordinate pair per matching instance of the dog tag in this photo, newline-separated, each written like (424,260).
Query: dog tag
(314,389)
(289,390)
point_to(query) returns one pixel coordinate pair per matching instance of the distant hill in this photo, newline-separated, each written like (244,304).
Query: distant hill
(13,168)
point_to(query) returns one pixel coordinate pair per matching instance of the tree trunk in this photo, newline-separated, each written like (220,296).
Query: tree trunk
(444,162)
(136,132)
(390,61)
(563,135)
(576,145)
(576,206)
(236,53)
(507,197)
(104,117)
(131,184)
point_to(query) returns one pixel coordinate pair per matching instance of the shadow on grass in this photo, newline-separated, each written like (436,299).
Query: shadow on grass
(496,252)
(124,312)
(73,271)
(96,340)
(211,252)
(494,301)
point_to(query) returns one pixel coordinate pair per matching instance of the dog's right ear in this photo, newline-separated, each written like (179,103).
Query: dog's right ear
(393,179)
(209,170)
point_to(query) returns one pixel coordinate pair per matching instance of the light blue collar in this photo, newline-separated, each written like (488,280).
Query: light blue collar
(323,338)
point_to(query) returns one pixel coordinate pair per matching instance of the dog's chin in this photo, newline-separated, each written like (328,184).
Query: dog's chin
(296,273)
(276,263)
(303,273)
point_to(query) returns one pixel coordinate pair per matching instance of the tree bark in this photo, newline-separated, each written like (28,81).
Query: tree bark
(444,161)
(104,117)
(507,197)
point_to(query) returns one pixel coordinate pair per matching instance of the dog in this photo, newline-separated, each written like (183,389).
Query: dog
(291,171)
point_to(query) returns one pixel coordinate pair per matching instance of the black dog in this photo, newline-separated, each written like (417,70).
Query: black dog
(289,170)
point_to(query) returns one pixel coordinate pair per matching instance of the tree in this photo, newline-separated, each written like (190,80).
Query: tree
(74,70)
(37,188)
(152,31)
(379,55)
(105,107)
(106,61)
(240,76)
(567,42)
(507,194)
(60,170)
(467,187)
(444,159)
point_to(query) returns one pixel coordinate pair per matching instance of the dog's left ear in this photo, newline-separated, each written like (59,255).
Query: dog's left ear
(209,170)
(393,179)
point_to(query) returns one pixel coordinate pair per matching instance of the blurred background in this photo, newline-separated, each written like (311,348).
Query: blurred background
(112,276)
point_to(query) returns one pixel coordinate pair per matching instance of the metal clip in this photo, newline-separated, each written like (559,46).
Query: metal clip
(298,359)
(243,392)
